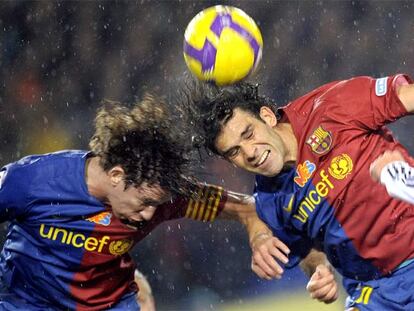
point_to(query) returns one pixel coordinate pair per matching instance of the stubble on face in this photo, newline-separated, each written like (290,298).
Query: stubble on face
(251,144)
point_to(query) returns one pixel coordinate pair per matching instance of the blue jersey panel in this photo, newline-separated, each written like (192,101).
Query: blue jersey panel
(127,303)
(392,292)
(47,215)
(304,219)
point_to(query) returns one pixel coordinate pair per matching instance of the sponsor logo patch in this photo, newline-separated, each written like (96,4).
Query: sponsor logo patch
(341,166)
(314,197)
(381,86)
(320,141)
(304,172)
(103,218)
(76,239)
(120,247)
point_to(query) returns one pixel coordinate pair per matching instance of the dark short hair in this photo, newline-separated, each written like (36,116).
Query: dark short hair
(210,107)
(146,142)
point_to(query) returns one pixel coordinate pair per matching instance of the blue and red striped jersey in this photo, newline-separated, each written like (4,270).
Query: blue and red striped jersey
(328,201)
(64,248)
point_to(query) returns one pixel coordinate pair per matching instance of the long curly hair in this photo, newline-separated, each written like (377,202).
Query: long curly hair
(209,107)
(146,142)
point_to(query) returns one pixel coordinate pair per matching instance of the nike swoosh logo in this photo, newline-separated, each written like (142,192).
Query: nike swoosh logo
(290,204)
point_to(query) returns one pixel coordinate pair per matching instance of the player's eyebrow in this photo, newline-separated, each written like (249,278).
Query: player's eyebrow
(246,130)
(248,127)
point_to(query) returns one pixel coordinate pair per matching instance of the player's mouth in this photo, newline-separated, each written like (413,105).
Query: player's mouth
(263,158)
(134,224)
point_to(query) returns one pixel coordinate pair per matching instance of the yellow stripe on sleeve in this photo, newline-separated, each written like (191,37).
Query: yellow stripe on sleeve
(205,207)
(192,206)
(203,203)
(216,204)
(196,204)
(189,208)
(210,205)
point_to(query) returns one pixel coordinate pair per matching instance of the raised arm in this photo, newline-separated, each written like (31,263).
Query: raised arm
(213,202)
(144,296)
(406,95)
(391,170)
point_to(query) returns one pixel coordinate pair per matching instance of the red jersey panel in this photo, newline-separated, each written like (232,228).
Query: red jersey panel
(340,129)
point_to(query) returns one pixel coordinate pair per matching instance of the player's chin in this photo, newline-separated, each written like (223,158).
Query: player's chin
(268,171)
(270,168)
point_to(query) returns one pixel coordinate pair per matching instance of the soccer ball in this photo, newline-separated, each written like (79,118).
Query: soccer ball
(222,44)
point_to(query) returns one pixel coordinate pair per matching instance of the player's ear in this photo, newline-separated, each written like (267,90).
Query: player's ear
(268,116)
(116,174)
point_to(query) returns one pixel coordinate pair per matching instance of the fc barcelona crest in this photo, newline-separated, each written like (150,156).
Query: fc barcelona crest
(320,141)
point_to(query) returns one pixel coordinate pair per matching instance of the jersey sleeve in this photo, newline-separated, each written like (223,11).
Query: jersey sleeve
(206,206)
(13,193)
(398,178)
(365,101)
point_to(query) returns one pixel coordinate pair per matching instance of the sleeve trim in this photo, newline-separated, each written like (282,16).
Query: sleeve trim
(207,206)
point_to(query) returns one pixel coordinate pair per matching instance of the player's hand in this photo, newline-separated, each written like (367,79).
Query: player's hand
(144,296)
(322,285)
(379,163)
(268,251)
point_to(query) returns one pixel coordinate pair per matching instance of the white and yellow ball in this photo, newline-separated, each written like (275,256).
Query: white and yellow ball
(222,44)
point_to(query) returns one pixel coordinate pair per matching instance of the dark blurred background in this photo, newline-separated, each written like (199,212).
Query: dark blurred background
(58,60)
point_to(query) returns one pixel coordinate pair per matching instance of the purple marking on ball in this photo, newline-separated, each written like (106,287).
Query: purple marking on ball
(221,21)
(206,56)
(225,20)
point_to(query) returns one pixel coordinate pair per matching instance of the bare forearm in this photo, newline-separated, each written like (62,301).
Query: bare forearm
(241,207)
(406,95)
(267,251)
(238,206)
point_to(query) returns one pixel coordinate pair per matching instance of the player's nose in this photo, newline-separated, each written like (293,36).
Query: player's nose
(148,212)
(250,153)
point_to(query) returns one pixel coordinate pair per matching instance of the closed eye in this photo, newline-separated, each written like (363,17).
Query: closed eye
(248,132)
(233,152)
(150,202)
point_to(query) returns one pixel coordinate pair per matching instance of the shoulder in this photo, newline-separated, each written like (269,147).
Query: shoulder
(34,166)
(300,102)
(364,85)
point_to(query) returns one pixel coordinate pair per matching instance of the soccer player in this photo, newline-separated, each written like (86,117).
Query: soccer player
(313,186)
(74,215)
(392,171)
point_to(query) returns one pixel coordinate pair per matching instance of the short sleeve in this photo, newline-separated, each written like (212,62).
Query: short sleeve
(13,198)
(365,101)
(386,105)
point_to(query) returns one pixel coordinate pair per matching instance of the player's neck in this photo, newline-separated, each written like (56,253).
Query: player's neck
(285,131)
(96,178)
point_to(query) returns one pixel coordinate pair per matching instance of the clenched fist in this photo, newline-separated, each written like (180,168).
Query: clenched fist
(322,285)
